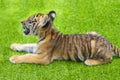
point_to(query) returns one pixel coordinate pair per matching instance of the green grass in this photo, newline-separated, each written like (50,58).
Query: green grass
(73,16)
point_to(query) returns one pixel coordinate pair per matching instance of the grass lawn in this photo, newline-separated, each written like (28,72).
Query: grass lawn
(73,16)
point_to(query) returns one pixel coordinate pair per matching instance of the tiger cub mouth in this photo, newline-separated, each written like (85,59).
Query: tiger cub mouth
(26,32)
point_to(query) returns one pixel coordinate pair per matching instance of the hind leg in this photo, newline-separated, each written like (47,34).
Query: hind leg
(92,62)
(102,57)
(30,48)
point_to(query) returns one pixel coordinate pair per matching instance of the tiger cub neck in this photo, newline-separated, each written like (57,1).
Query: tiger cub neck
(48,40)
(48,34)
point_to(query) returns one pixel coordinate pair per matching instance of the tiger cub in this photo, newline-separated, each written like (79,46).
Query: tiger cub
(91,48)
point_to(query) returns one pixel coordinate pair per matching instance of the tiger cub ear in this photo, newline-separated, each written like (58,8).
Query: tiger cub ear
(52,15)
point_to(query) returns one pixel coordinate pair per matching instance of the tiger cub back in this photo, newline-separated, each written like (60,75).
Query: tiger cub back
(80,47)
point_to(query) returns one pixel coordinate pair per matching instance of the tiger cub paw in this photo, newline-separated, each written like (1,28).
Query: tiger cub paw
(88,62)
(15,59)
(16,47)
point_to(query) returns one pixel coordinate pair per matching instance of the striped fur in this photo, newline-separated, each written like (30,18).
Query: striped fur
(91,48)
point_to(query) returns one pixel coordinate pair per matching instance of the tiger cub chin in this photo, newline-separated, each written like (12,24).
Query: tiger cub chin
(91,48)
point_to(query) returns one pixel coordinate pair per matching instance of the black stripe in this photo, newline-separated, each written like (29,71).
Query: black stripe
(34,28)
(76,51)
(63,45)
(37,14)
(70,46)
(89,44)
(86,46)
(68,43)
(82,46)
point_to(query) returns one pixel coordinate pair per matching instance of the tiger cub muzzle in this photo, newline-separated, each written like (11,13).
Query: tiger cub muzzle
(26,30)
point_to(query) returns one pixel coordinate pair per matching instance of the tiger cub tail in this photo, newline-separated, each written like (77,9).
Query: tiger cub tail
(115,50)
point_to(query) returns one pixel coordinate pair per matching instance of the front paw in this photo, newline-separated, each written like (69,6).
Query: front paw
(15,59)
(16,47)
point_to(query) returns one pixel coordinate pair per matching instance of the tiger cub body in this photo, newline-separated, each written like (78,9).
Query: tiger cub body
(91,48)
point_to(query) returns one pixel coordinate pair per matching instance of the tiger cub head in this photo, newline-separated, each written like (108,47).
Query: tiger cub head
(38,23)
